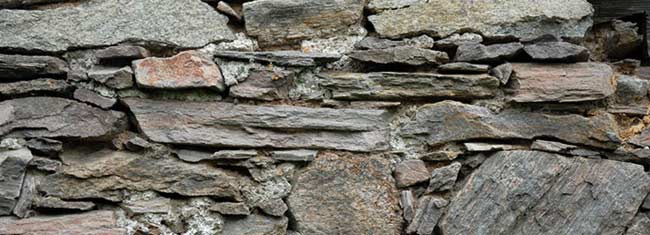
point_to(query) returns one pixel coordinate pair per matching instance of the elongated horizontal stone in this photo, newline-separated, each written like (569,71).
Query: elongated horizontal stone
(380,5)
(450,121)
(225,124)
(280,22)
(188,69)
(561,82)
(42,86)
(285,58)
(57,117)
(529,192)
(95,222)
(517,18)
(102,23)
(557,52)
(400,85)
(408,55)
(21,67)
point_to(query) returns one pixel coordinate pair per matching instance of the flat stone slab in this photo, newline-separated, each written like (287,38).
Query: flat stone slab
(530,192)
(94,222)
(188,69)
(228,125)
(96,23)
(284,58)
(23,67)
(407,55)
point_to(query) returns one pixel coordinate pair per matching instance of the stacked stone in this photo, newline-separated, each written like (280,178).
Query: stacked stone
(434,117)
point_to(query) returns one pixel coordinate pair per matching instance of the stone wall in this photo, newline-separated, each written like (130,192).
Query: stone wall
(321,117)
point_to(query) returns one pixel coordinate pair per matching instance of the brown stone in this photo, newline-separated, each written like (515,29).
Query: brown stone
(411,172)
(95,222)
(189,69)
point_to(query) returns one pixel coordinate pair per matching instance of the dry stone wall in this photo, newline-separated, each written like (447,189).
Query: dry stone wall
(273,117)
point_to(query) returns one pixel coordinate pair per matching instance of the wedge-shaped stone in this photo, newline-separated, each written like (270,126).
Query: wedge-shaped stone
(284,58)
(280,22)
(95,222)
(517,18)
(57,117)
(99,23)
(13,164)
(450,121)
(400,85)
(562,82)
(229,125)
(408,55)
(21,67)
(529,192)
(189,69)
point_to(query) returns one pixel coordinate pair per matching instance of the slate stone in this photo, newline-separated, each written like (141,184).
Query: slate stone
(23,67)
(279,22)
(113,77)
(529,192)
(263,85)
(463,68)
(381,5)
(275,207)
(57,117)
(422,41)
(234,154)
(103,222)
(45,164)
(345,194)
(193,24)
(189,69)
(231,208)
(42,86)
(410,172)
(502,72)
(490,147)
(557,52)
(189,155)
(13,164)
(149,204)
(407,203)
(444,178)
(91,97)
(479,53)
(429,211)
(57,203)
(561,148)
(283,58)
(561,82)
(302,155)
(520,19)
(450,121)
(404,85)
(45,146)
(225,124)
(255,224)
(407,55)
(28,192)
(122,52)
(453,41)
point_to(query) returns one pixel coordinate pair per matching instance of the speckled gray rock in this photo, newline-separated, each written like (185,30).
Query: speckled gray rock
(274,207)
(407,55)
(42,86)
(502,72)
(463,68)
(381,5)
(479,53)
(121,52)
(561,148)
(45,146)
(453,41)
(279,22)
(345,194)
(57,117)
(408,203)
(402,85)
(255,224)
(226,124)
(265,85)
(528,192)
(113,77)
(45,164)
(91,97)
(422,41)
(557,52)
(13,165)
(561,82)
(231,208)
(284,58)
(429,211)
(631,89)
(410,172)
(302,155)
(193,24)
(450,121)
(188,69)
(22,67)
(516,18)
(640,225)
(57,203)
(444,178)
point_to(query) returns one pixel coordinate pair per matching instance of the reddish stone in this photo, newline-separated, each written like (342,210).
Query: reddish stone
(189,69)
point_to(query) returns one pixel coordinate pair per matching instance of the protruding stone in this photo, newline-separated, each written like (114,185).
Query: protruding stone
(113,77)
(444,178)
(401,85)
(479,53)
(45,146)
(42,86)
(427,215)
(234,154)
(631,90)
(410,172)
(641,140)
(548,194)
(147,203)
(332,195)
(422,41)
(489,147)
(381,5)
(561,82)
(13,164)
(453,41)
(231,208)
(255,224)
(57,117)
(407,55)
(22,67)
(122,52)
(91,97)
(561,148)
(45,164)
(284,58)
(557,52)
(302,155)
(189,69)
(463,68)
(264,85)
(275,207)
(57,203)
(224,8)
(502,72)
(407,203)
(94,222)
(102,23)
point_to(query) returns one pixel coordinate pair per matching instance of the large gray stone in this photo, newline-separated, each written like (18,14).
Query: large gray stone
(102,222)
(401,85)
(450,121)
(279,22)
(57,117)
(13,164)
(226,124)
(346,194)
(22,67)
(517,18)
(184,24)
(528,192)
(408,55)
(561,82)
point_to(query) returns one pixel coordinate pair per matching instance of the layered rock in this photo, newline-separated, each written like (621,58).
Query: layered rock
(42,86)
(407,55)
(479,53)
(524,192)
(22,67)
(96,222)
(13,164)
(284,58)
(557,52)
(225,124)
(193,24)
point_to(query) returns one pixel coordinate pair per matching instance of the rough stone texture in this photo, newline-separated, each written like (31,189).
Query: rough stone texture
(479,53)
(345,195)
(45,164)
(102,222)
(407,203)
(279,22)
(407,55)
(641,140)
(113,77)
(453,41)
(557,52)
(302,155)
(283,58)
(91,97)
(122,52)
(422,41)
(263,85)
(640,225)
(231,208)
(502,72)
(21,67)
(380,5)
(224,8)
(613,40)
(561,82)
(275,207)
(225,124)
(190,69)
(410,172)
(527,192)
(57,117)
(42,86)
(184,24)
(56,203)
(13,164)
(450,121)
(256,224)
(490,147)
(45,146)
(443,178)
(631,90)
(427,215)
(521,19)
(401,85)
(24,3)
(462,67)
(557,147)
